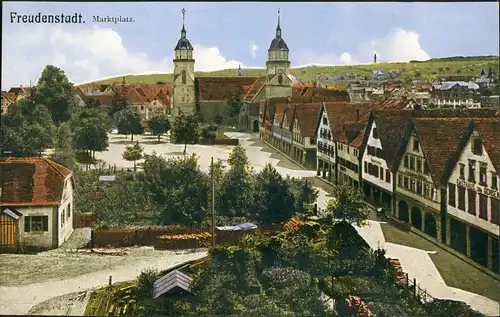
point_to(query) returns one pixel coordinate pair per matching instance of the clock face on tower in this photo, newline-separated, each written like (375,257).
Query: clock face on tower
(280,71)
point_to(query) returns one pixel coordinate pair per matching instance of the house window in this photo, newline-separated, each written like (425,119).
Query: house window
(472,171)
(477,147)
(495,211)
(419,188)
(412,184)
(375,133)
(494,180)
(483,206)
(451,194)
(312,141)
(63,212)
(461,198)
(415,145)
(412,163)
(348,149)
(426,168)
(388,176)
(462,171)
(36,223)
(426,190)
(471,197)
(482,174)
(419,165)
(405,182)
(366,167)
(375,170)
(406,161)
(400,180)
(325,121)
(69,210)
(381,173)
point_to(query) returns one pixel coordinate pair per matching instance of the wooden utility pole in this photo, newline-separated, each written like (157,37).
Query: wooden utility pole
(213,201)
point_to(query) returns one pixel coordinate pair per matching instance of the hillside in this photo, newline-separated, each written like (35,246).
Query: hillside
(457,66)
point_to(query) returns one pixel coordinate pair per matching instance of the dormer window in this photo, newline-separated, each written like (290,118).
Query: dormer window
(477,146)
(416,145)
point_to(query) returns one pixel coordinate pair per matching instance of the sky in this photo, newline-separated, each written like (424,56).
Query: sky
(228,34)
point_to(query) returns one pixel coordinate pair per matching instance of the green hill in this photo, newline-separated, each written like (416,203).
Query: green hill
(450,66)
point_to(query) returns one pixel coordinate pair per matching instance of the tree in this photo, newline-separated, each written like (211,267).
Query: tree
(273,201)
(64,153)
(119,203)
(118,106)
(304,193)
(235,106)
(55,91)
(26,129)
(159,124)
(185,129)
(238,158)
(347,205)
(133,153)
(93,103)
(179,187)
(90,127)
(129,122)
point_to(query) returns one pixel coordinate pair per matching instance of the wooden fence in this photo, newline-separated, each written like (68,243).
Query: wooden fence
(140,236)
(84,220)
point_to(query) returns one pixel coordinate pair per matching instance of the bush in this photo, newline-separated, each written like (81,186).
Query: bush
(145,282)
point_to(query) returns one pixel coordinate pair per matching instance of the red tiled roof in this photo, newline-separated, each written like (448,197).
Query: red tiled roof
(340,113)
(222,88)
(307,116)
(391,127)
(255,88)
(31,181)
(105,100)
(489,131)
(440,140)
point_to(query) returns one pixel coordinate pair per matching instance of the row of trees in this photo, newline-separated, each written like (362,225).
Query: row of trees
(177,191)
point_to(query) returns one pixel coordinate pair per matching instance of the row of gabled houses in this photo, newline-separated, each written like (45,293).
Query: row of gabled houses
(437,171)
(146,99)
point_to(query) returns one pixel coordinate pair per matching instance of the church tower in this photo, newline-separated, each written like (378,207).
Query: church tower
(278,82)
(183,83)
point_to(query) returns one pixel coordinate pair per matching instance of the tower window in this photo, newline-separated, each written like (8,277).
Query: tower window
(183,77)
(280,79)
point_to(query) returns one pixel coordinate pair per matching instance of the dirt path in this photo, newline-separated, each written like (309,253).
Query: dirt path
(19,299)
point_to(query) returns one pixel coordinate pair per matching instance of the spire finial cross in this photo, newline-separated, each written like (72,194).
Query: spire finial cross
(183,14)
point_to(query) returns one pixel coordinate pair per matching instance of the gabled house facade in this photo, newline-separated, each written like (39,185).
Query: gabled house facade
(36,204)
(304,120)
(418,190)
(473,190)
(378,156)
(286,130)
(326,147)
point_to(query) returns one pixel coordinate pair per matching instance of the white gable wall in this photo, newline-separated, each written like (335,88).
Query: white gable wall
(376,161)
(485,189)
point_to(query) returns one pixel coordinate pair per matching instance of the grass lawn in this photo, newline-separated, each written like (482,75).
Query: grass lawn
(459,66)
(455,272)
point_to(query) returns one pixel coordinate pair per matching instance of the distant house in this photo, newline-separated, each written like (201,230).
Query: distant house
(379,74)
(8,98)
(456,94)
(36,199)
